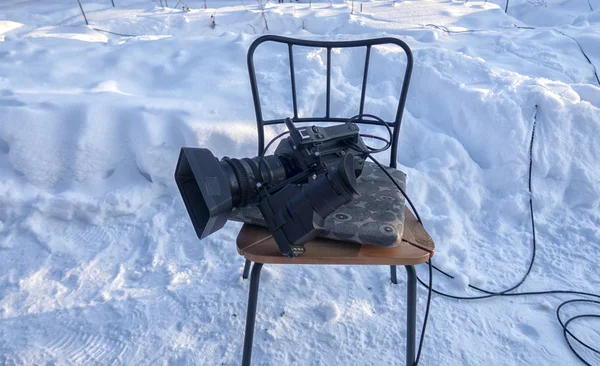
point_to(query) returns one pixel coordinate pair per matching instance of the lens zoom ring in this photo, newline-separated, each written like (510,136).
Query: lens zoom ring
(252,175)
(253,165)
(243,181)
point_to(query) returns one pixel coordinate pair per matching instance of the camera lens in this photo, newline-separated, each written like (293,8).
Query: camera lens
(244,174)
(211,188)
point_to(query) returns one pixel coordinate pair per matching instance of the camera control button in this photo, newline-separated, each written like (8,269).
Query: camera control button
(304,133)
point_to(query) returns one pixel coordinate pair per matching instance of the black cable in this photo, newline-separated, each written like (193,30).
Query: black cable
(368,153)
(534,241)
(565,325)
(116,34)
(430,287)
(388,143)
(505,293)
(584,54)
(590,5)
(426,317)
(450,31)
(83,12)
(522,27)
(489,294)
(397,186)
(371,149)
(261,157)
(101,30)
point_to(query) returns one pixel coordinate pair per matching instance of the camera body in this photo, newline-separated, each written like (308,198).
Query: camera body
(312,173)
(294,212)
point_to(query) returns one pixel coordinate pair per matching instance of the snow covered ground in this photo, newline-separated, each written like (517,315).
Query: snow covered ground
(99,263)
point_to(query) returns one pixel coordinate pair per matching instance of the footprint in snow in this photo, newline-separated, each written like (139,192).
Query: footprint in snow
(327,311)
(4,147)
(529,331)
(11,103)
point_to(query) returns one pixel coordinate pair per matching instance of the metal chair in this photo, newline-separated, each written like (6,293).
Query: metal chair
(256,244)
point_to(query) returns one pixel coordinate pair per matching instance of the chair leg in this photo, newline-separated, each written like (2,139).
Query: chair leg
(246,269)
(411,315)
(251,314)
(393,275)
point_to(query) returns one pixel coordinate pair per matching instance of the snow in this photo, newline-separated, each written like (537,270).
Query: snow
(99,262)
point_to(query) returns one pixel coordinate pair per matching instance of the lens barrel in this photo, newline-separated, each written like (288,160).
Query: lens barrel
(244,175)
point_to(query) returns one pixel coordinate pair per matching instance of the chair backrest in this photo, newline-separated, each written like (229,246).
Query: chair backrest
(329,45)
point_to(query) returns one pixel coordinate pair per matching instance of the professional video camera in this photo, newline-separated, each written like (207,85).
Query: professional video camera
(312,173)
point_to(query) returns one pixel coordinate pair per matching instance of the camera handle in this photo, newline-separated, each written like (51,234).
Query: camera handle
(292,180)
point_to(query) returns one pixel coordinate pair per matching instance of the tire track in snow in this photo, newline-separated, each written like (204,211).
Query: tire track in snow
(82,347)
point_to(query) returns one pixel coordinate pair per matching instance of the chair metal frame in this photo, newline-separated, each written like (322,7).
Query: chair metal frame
(394,125)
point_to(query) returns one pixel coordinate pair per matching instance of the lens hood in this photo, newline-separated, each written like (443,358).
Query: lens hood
(205,189)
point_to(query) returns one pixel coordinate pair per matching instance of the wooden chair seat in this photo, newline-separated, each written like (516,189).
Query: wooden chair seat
(256,244)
